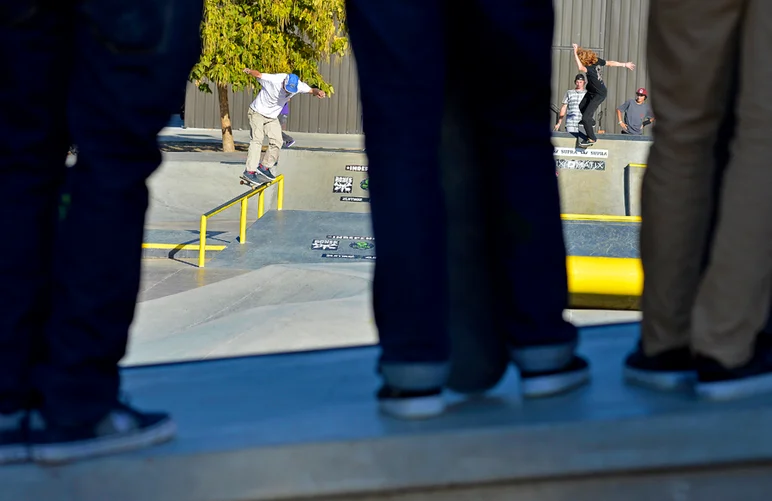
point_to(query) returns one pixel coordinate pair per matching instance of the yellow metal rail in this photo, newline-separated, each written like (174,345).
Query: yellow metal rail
(244,199)
(600,219)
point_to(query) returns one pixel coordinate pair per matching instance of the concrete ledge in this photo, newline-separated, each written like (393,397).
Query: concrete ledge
(305,425)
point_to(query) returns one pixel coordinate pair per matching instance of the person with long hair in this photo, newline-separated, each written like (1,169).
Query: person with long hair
(588,62)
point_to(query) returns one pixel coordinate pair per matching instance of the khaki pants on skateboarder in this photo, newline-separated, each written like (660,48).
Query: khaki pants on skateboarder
(261,126)
(706,237)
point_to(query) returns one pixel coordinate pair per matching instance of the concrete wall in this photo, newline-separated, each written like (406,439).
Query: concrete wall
(324,180)
(634,179)
(593,180)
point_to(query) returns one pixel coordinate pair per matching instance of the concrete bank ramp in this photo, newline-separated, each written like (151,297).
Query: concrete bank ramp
(272,309)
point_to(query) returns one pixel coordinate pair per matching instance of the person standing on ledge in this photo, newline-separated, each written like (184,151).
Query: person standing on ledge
(66,312)
(706,234)
(525,272)
(276,91)
(635,114)
(588,62)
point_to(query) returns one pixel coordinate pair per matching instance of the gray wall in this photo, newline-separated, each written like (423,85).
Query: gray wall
(616,29)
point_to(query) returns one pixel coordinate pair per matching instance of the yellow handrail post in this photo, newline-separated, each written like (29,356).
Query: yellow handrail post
(202,243)
(260,204)
(243,221)
(280,194)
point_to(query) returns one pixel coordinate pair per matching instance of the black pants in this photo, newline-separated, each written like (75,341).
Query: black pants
(588,107)
(67,309)
(525,251)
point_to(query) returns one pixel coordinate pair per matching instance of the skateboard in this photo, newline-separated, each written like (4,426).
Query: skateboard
(244,180)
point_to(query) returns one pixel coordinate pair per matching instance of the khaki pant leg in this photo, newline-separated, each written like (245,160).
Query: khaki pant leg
(256,140)
(732,305)
(273,131)
(690,51)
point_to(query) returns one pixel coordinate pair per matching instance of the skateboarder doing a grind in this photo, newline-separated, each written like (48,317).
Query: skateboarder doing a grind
(276,91)
(588,62)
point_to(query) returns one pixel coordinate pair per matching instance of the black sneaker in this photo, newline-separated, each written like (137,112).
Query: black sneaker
(13,438)
(266,173)
(406,404)
(548,383)
(715,382)
(671,370)
(586,143)
(252,177)
(122,429)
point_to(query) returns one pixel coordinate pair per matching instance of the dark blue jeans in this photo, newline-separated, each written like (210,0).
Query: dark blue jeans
(492,58)
(105,75)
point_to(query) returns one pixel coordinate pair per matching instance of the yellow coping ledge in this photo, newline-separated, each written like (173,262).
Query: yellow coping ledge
(599,218)
(604,275)
(182,247)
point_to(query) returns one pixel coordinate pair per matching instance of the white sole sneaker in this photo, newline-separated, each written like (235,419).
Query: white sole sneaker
(413,408)
(735,389)
(12,454)
(661,381)
(59,453)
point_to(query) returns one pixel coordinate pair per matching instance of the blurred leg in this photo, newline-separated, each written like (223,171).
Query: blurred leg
(398,76)
(678,193)
(125,83)
(732,305)
(34,146)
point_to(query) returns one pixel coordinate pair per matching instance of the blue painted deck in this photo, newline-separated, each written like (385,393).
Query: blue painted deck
(287,426)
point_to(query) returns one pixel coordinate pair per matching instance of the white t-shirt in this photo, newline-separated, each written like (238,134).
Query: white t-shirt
(272,97)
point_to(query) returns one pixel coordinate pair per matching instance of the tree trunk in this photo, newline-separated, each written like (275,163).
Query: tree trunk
(225,118)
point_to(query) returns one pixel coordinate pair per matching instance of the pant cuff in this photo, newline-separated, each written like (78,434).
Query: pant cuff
(543,358)
(415,376)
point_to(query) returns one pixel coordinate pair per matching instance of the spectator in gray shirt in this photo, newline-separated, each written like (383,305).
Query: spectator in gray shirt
(635,114)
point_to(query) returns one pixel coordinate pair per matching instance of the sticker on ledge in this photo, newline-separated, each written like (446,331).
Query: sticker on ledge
(346,237)
(361,245)
(322,244)
(342,184)
(563,163)
(347,256)
(578,152)
(355,199)
(357,168)
(365,184)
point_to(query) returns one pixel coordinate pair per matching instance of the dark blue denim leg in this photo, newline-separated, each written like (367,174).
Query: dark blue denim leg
(400,55)
(34,39)
(524,226)
(129,75)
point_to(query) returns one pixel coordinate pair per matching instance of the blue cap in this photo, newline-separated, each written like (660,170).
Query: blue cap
(291,85)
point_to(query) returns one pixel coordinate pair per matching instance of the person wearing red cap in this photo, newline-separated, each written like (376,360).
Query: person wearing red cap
(634,114)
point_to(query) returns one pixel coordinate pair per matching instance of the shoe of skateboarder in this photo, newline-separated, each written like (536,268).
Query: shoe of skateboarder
(276,91)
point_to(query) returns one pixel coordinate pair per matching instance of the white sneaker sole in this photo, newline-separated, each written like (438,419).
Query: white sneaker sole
(413,408)
(14,454)
(736,389)
(73,451)
(661,381)
(554,384)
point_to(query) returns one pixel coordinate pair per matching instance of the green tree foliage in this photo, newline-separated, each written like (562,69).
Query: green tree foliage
(271,36)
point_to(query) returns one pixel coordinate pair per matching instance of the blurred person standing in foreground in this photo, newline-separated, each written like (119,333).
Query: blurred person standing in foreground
(105,75)
(706,237)
(412,55)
